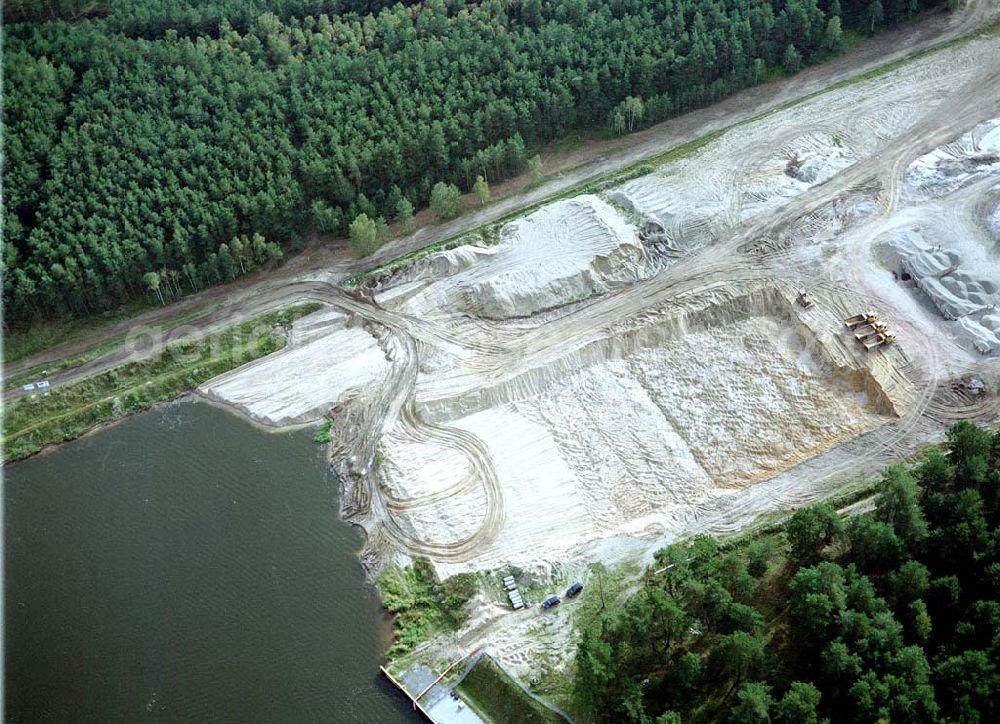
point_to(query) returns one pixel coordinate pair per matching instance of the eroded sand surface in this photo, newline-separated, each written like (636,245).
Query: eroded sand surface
(323,363)
(631,366)
(564,252)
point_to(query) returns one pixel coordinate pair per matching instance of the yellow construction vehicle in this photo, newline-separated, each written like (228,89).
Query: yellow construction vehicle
(869,329)
(878,339)
(868,317)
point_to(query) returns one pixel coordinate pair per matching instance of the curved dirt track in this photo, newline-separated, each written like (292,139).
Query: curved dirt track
(266,290)
(763,249)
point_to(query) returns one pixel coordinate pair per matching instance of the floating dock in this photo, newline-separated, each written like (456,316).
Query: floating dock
(434,700)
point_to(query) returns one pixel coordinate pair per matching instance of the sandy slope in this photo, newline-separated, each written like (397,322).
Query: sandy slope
(621,370)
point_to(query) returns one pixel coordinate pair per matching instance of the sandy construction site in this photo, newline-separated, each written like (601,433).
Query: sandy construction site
(626,367)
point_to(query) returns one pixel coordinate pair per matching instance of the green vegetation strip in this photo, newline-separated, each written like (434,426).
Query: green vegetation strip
(887,616)
(489,233)
(49,333)
(31,423)
(423,605)
(497,698)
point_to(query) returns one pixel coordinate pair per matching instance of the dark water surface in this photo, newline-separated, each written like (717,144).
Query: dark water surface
(184,566)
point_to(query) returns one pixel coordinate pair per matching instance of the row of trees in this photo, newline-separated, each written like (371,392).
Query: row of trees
(892,616)
(146,140)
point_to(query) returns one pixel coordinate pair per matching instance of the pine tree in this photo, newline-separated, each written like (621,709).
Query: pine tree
(404,215)
(833,38)
(535,168)
(791,60)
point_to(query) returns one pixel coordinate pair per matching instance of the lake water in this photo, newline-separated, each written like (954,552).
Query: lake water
(185,566)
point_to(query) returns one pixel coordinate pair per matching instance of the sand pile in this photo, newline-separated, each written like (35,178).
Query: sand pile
(565,251)
(694,214)
(760,167)
(971,157)
(948,249)
(302,382)
(947,278)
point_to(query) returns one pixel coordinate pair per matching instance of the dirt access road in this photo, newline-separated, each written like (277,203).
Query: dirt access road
(745,256)
(260,292)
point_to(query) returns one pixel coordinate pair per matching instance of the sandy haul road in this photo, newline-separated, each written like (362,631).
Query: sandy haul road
(636,366)
(629,367)
(261,292)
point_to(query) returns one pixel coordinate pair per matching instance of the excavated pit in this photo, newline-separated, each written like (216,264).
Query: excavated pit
(629,433)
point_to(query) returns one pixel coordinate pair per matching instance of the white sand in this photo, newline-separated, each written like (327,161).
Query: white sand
(637,443)
(301,383)
(565,251)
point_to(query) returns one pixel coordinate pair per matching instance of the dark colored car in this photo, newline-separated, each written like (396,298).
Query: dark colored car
(574,590)
(550,602)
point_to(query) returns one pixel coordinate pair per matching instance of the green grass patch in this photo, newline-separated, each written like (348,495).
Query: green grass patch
(422,604)
(49,334)
(497,698)
(31,423)
(322,434)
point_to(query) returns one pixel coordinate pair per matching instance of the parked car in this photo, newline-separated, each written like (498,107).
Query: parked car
(574,590)
(550,602)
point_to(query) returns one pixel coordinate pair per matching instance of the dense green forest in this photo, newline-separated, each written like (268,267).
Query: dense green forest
(888,616)
(158,146)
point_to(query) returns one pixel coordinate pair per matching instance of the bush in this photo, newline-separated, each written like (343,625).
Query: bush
(422,603)
(322,434)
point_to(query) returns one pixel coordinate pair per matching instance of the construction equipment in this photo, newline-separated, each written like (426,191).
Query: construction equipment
(868,317)
(878,340)
(867,330)
(804,299)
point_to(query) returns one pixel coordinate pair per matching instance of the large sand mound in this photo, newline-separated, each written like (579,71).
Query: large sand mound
(301,383)
(969,158)
(695,207)
(947,249)
(565,251)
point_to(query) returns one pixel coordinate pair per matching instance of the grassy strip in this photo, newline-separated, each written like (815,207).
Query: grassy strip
(19,344)
(60,332)
(489,232)
(423,605)
(491,693)
(32,423)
